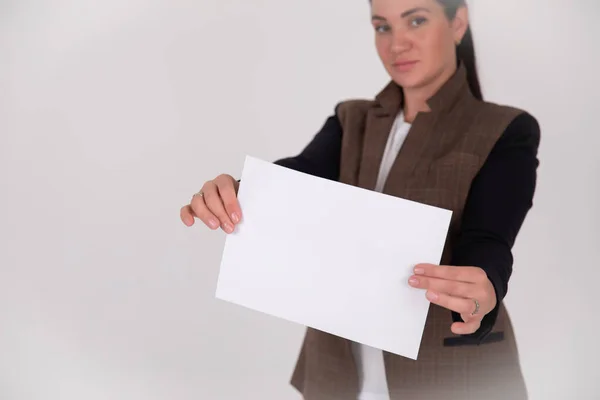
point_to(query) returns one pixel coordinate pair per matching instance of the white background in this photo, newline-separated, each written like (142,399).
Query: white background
(112,113)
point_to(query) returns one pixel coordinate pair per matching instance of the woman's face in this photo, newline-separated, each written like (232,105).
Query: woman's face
(416,41)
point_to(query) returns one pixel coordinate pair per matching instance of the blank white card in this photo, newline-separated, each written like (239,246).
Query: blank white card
(331,256)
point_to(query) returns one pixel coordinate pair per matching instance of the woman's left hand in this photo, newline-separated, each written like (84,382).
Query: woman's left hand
(457,288)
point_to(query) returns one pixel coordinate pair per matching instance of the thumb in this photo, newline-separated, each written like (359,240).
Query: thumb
(468,317)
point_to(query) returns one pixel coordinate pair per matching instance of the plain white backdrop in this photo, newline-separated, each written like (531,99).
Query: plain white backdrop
(113,113)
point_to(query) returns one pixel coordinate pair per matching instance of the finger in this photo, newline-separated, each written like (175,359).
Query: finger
(452,288)
(187,215)
(450,272)
(468,317)
(465,328)
(228,192)
(456,304)
(200,210)
(213,201)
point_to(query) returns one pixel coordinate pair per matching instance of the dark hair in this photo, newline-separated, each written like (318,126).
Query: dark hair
(465,51)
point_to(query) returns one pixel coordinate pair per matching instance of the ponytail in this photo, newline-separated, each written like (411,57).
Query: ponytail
(465,53)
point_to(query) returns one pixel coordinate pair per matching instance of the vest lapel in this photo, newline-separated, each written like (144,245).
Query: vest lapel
(419,142)
(379,121)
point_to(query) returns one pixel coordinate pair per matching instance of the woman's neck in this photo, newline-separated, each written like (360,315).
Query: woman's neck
(415,99)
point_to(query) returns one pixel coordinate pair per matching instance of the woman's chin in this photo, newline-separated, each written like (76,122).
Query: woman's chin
(407,80)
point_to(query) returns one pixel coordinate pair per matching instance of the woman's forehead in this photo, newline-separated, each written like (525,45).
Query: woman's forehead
(398,8)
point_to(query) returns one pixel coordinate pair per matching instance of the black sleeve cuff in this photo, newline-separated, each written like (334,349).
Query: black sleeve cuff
(489,320)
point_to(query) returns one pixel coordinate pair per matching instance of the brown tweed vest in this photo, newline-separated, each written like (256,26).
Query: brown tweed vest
(441,155)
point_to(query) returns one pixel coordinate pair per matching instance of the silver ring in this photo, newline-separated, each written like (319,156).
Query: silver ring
(200,193)
(476,307)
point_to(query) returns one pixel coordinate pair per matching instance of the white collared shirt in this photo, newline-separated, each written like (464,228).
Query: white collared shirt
(369,361)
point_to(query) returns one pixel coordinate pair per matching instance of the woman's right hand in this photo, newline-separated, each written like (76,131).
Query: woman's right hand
(216,205)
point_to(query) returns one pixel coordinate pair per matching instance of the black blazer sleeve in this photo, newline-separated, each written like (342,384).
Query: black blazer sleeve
(499,199)
(321,157)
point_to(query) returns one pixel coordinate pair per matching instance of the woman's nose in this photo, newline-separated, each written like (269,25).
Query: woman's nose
(400,43)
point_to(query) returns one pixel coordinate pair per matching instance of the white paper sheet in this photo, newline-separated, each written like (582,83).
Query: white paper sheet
(331,256)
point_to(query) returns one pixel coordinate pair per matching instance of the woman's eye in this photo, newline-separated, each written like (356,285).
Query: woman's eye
(382,28)
(418,21)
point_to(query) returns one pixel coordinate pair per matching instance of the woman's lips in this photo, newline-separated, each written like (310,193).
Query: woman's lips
(404,66)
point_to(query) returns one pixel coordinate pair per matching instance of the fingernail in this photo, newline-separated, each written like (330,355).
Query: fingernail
(235,218)
(213,223)
(227,227)
(419,270)
(432,296)
(413,281)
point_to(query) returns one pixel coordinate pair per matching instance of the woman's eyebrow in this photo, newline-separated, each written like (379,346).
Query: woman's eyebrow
(403,15)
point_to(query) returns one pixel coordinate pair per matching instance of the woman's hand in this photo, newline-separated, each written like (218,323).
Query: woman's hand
(216,205)
(457,289)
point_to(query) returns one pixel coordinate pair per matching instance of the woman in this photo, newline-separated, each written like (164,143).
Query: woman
(429,137)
